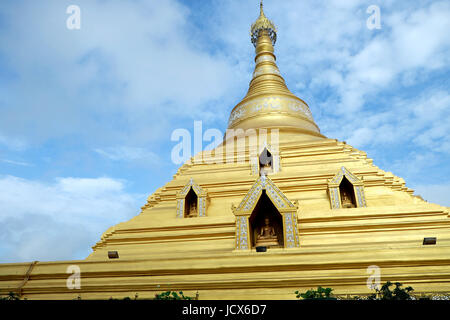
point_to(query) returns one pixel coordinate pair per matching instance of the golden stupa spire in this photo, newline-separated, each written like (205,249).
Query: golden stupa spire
(269,103)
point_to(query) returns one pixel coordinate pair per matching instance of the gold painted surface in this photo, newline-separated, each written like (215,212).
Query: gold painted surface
(160,252)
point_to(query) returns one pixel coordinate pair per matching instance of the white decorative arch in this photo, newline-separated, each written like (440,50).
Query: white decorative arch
(286,208)
(201,199)
(334,193)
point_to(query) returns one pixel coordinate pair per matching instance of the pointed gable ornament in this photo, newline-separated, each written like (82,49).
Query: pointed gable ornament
(277,197)
(334,193)
(254,159)
(201,199)
(286,208)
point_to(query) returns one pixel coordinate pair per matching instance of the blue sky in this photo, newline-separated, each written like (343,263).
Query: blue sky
(87,115)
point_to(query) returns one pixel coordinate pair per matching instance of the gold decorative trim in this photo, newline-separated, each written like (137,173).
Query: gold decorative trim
(264,58)
(266,70)
(255,107)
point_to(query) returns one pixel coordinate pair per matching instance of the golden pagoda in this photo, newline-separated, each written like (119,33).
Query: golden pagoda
(288,209)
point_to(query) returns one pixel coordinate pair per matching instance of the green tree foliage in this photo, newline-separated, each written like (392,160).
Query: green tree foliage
(10,296)
(399,293)
(384,293)
(320,293)
(172,295)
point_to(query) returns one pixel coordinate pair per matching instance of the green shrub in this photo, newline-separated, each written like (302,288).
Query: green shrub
(385,293)
(320,293)
(172,295)
(11,296)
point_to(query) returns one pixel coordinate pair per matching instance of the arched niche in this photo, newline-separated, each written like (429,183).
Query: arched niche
(347,194)
(266,160)
(265,197)
(263,210)
(345,190)
(191,201)
(190,204)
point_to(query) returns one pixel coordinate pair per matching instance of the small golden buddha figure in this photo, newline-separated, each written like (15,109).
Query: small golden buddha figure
(346,200)
(192,210)
(266,235)
(265,167)
(267,164)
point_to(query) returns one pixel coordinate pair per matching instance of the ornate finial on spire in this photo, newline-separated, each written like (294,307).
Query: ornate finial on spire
(268,88)
(262,23)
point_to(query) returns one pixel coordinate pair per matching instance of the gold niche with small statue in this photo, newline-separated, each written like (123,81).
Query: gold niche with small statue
(265,218)
(191,201)
(346,190)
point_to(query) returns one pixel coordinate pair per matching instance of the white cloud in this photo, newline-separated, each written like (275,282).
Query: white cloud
(128,65)
(16,163)
(124,153)
(414,164)
(13,143)
(416,43)
(422,121)
(361,136)
(330,46)
(439,194)
(146,61)
(61,219)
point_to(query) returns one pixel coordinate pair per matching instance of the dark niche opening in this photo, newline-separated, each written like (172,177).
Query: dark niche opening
(265,162)
(347,192)
(265,209)
(190,204)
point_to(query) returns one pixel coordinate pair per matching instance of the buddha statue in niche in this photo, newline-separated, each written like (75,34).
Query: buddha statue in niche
(346,200)
(265,168)
(265,163)
(192,210)
(267,235)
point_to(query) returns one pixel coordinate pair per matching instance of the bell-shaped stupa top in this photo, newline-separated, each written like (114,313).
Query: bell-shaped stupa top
(269,103)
